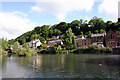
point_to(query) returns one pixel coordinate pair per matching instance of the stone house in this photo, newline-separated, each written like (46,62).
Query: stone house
(112,39)
(35,43)
(98,39)
(53,42)
(80,42)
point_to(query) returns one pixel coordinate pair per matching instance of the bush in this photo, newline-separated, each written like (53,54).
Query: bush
(22,51)
(26,52)
(15,47)
(94,49)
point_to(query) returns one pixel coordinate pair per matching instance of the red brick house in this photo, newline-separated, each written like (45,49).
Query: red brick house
(98,39)
(53,42)
(80,42)
(118,39)
(112,39)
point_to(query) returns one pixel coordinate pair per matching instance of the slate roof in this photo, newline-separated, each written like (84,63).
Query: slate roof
(97,35)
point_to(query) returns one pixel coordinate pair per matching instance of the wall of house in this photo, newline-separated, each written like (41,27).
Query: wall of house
(83,42)
(112,40)
(97,39)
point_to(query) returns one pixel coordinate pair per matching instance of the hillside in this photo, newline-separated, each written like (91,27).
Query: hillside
(79,27)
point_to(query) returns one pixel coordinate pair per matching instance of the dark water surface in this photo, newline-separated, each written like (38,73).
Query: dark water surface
(62,66)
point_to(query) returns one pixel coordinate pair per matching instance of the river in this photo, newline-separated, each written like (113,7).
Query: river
(62,66)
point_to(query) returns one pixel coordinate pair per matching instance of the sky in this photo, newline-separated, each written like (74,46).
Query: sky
(20,16)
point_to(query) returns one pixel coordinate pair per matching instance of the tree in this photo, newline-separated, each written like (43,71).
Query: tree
(51,33)
(69,36)
(4,44)
(96,31)
(15,47)
(42,39)
(35,36)
(74,44)
(57,32)
(25,45)
(102,31)
(89,34)
(59,49)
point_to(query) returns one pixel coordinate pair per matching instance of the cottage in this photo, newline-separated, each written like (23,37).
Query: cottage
(54,38)
(52,42)
(98,39)
(112,39)
(35,43)
(80,42)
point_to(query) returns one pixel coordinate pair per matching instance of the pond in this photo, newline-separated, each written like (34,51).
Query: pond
(62,66)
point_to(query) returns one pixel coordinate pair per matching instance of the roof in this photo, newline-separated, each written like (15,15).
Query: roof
(97,35)
(51,43)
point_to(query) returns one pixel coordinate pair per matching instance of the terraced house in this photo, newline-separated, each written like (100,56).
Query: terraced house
(82,41)
(112,39)
(98,39)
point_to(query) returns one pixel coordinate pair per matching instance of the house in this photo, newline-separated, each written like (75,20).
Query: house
(80,42)
(118,39)
(35,43)
(54,38)
(53,42)
(11,47)
(112,39)
(98,39)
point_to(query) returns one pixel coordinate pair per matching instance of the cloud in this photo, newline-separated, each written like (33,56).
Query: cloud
(60,8)
(13,24)
(110,7)
(36,8)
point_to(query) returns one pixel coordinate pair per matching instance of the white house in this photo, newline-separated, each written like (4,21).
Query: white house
(35,43)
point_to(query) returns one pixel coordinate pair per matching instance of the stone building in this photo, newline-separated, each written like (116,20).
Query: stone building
(98,39)
(112,39)
(80,42)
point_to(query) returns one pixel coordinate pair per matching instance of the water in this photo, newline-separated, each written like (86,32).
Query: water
(62,66)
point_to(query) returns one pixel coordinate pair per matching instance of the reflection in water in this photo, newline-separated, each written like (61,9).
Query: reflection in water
(0,66)
(62,66)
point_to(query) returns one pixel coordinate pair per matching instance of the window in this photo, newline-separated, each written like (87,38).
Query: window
(111,36)
(118,44)
(113,43)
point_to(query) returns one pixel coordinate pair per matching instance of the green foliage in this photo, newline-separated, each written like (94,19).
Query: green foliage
(69,36)
(4,44)
(96,31)
(26,52)
(94,49)
(22,51)
(79,27)
(16,47)
(57,32)
(74,44)
(42,39)
(102,31)
(35,36)
(89,34)
(59,49)
(25,45)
